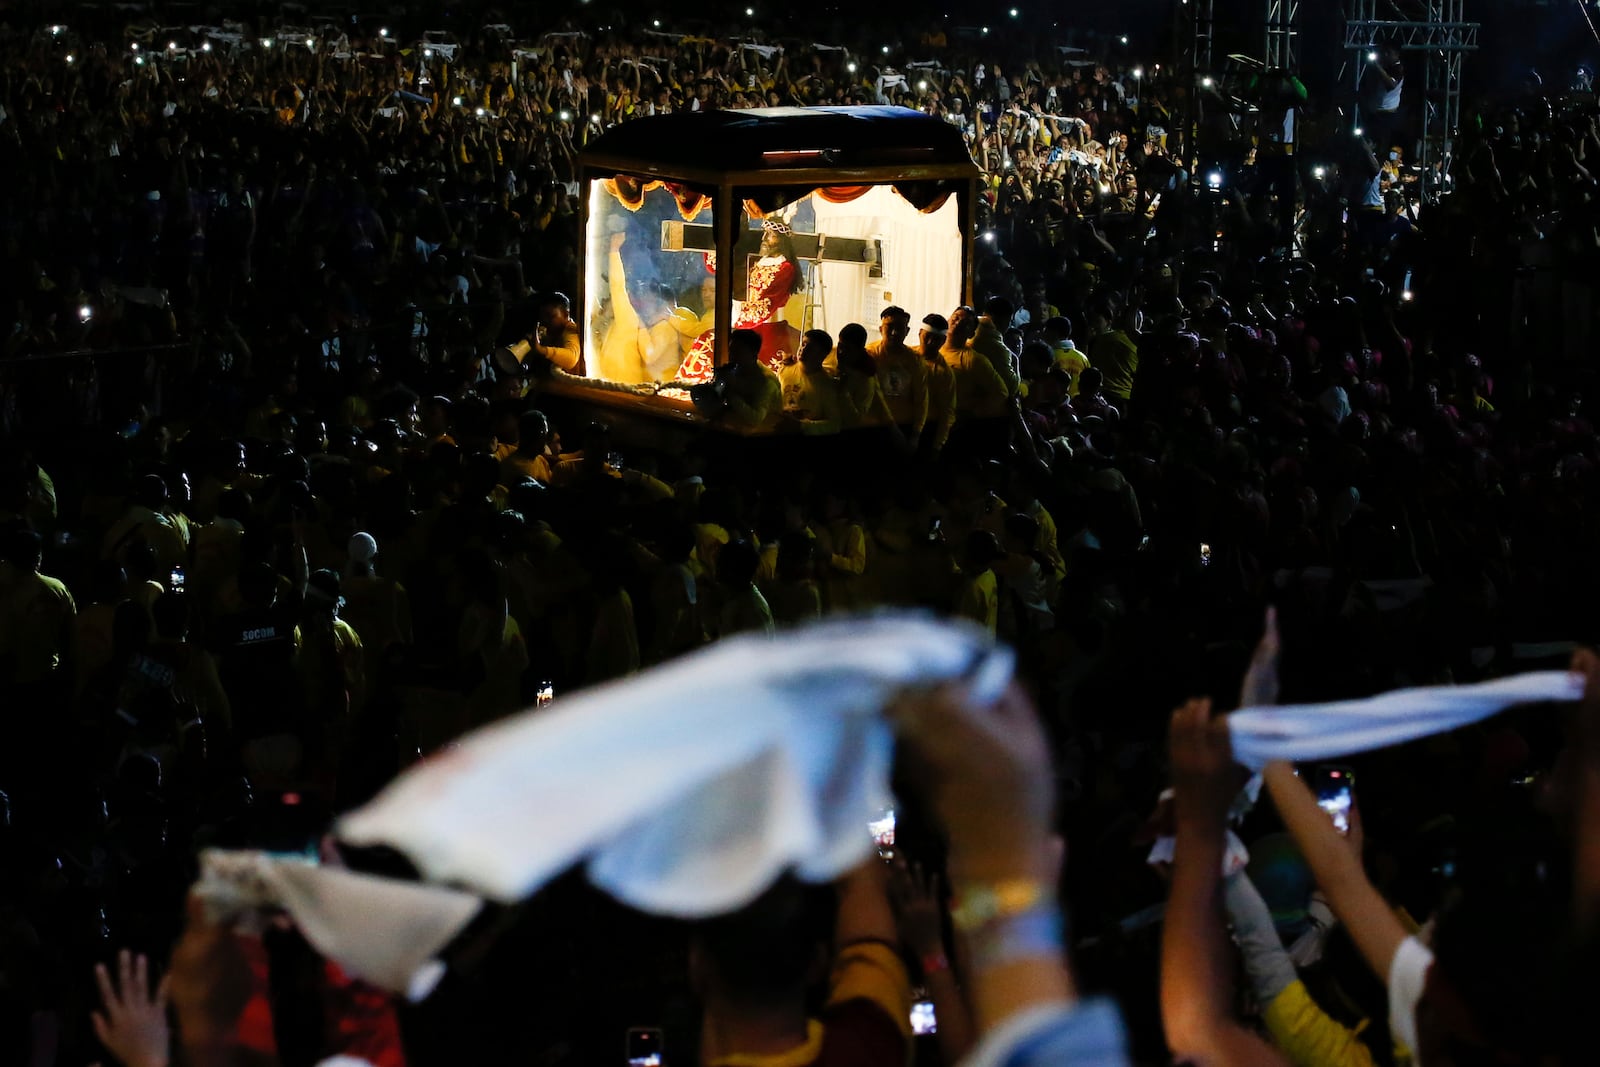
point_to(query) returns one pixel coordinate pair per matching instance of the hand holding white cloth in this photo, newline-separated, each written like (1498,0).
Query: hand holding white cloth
(382,930)
(691,787)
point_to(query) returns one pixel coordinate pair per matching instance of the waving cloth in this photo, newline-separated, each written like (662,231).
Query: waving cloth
(687,789)
(385,931)
(1323,731)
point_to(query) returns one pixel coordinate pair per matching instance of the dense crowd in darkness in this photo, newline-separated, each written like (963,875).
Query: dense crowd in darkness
(273,527)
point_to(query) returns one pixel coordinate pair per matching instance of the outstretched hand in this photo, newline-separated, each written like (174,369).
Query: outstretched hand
(132,1023)
(986,771)
(918,907)
(1260,687)
(1204,777)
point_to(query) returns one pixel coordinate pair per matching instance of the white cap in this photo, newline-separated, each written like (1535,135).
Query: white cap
(363,548)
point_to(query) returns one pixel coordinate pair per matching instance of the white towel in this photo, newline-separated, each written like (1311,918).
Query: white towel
(1325,731)
(688,788)
(382,930)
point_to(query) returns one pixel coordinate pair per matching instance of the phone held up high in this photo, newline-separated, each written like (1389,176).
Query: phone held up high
(882,830)
(645,1047)
(1334,786)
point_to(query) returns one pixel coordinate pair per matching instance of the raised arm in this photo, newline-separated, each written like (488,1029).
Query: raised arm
(920,908)
(864,911)
(1196,986)
(1358,904)
(987,773)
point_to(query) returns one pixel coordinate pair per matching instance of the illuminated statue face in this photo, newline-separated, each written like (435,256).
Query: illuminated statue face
(771,243)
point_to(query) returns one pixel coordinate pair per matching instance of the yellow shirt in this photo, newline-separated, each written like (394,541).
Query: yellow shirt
(991,344)
(863,400)
(866,971)
(941,398)
(903,378)
(517,465)
(979,600)
(36,624)
(155,530)
(812,397)
(845,545)
(980,391)
(1118,359)
(1048,544)
(755,400)
(562,349)
(1308,1036)
(708,541)
(614,640)
(1074,363)
(347,652)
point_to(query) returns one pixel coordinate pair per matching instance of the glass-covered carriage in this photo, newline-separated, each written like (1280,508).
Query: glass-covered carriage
(777,220)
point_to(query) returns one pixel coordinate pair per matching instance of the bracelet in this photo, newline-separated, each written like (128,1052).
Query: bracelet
(1036,934)
(979,905)
(934,962)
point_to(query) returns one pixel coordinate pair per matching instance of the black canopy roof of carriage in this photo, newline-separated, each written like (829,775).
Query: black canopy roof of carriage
(744,145)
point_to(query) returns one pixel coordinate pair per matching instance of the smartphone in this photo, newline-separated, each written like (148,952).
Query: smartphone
(546,693)
(644,1047)
(1205,554)
(176,580)
(1333,785)
(922,1018)
(882,830)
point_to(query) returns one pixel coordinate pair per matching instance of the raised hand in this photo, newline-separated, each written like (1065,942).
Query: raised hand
(986,769)
(918,907)
(132,1023)
(1201,751)
(1260,687)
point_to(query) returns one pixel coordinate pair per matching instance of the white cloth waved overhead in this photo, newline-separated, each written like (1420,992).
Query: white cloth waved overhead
(382,930)
(688,788)
(1323,731)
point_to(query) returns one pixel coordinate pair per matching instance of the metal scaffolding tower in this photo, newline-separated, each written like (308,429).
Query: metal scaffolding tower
(1283,34)
(1204,32)
(1194,31)
(1437,29)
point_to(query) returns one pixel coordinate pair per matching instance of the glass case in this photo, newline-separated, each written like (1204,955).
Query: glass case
(776,220)
(646,302)
(801,260)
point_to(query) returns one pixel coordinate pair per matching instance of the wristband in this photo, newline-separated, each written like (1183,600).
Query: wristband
(934,962)
(1036,934)
(979,905)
